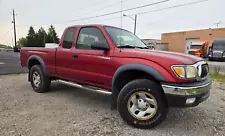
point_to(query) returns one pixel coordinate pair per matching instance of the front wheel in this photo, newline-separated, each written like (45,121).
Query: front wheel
(39,81)
(141,104)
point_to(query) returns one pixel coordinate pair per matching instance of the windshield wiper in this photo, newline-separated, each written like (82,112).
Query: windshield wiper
(143,47)
(126,46)
(130,46)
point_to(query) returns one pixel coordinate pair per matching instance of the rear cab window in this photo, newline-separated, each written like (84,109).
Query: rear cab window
(68,38)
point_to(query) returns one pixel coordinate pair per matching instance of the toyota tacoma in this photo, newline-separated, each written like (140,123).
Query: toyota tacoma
(143,83)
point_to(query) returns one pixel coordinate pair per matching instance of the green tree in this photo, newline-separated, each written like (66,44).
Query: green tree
(41,37)
(22,42)
(31,38)
(52,36)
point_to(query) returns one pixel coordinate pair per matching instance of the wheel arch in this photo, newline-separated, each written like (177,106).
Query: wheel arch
(36,60)
(128,72)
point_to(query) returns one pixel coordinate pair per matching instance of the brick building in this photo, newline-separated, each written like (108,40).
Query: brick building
(180,41)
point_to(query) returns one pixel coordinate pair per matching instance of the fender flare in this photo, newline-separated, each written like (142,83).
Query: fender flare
(43,65)
(132,66)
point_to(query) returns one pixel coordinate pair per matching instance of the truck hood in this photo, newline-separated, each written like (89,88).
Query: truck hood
(161,57)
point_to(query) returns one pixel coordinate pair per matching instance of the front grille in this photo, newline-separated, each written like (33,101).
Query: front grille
(217,54)
(205,70)
(202,69)
(192,52)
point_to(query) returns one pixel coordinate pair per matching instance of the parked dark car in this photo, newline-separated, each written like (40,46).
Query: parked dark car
(217,50)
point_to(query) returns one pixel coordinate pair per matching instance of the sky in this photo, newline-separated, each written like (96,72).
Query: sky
(43,13)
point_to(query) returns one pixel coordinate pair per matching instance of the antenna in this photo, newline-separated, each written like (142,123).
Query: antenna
(121,20)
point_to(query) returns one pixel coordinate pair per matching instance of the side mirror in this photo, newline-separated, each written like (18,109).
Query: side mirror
(100,46)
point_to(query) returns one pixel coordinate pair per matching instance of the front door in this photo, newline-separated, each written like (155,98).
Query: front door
(95,67)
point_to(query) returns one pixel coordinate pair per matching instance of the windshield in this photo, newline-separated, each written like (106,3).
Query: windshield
(219,47)
(196,46)
(123,38)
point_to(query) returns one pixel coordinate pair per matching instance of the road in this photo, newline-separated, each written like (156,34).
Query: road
(215,63)
(10,63)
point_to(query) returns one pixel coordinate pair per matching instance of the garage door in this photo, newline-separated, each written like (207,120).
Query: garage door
(189,41)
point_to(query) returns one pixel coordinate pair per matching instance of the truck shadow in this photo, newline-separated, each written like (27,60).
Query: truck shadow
(177,120)
(80,95)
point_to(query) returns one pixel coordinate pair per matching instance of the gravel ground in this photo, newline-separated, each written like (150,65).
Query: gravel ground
(70,111)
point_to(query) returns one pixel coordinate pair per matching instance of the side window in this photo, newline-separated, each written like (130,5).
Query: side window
(68,38)
(87,36)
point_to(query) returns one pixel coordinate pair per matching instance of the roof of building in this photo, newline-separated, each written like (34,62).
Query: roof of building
(195,30)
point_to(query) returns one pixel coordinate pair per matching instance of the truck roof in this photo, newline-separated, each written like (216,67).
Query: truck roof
(92,25)
(219,41)
(198,43)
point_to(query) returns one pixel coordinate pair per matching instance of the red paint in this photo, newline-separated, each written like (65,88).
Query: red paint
(89,68)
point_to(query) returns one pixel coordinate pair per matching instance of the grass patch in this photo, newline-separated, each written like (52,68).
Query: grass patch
(217,77)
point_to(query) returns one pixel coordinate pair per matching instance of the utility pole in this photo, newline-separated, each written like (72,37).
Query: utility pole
(135,23)
(14,26)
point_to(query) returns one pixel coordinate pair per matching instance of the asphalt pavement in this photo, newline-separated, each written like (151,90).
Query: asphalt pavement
(10,63)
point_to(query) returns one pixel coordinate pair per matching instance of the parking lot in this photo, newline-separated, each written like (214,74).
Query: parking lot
(70,111)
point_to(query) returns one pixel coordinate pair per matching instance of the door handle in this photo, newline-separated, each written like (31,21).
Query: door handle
(75,56)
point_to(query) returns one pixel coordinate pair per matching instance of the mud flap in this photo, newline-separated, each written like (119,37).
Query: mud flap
(114,96)
(28,76)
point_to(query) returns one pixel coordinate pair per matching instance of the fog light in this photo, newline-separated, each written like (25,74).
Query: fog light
(190,100)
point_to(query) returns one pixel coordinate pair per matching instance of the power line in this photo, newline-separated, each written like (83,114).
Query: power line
(116,12)
(7,32)
(190,3)
(181,5)
(140,13)
(119,2)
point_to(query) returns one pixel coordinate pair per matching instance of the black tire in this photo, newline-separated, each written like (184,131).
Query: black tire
(210,59)
(143,85)
(45,81)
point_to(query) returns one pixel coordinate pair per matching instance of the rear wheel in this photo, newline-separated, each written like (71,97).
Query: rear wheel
(39,81)
(141,104)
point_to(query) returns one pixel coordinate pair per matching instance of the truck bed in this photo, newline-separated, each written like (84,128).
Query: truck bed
(47,54)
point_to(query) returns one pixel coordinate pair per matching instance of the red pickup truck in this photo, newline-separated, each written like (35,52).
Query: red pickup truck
(143,83)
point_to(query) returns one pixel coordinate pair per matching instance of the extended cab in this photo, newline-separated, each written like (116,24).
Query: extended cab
(143,83)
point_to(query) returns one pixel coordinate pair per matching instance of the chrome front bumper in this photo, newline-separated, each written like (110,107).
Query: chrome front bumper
(187,95)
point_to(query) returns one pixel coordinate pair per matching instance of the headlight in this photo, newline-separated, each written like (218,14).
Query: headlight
(190,72)
(186,72)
